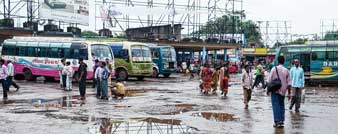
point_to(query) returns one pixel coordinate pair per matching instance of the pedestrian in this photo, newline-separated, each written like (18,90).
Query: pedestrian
(297,84)
(247,82)
(96,65)
(82,71)
(205,76)
(215,80)
(11,73)
(259,76)
(110,69)
(3,78)
(277,97)
(63,63)
(69,72)
(120,90)
(97,76)
(64,75)
(104,81)
(192,70)
(224,77)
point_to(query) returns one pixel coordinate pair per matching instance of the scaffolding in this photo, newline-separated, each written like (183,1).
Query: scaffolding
(327,27)
(275,32)
(192,14)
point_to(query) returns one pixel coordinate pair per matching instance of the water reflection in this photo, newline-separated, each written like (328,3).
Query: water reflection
(139,126)
(218,117)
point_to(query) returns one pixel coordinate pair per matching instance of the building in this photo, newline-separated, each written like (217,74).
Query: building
(155,33)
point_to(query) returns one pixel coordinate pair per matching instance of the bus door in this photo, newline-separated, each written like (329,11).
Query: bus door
(305,61)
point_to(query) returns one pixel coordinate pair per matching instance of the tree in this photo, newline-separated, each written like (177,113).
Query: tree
(331,35)
(232,24)
(89,33)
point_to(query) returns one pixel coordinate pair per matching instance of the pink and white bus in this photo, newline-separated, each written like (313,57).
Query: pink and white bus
(41,56)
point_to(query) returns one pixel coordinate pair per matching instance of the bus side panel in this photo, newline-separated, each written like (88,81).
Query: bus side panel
(324,70)
(38,66)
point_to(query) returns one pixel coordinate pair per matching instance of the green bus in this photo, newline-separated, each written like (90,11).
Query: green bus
(132,59)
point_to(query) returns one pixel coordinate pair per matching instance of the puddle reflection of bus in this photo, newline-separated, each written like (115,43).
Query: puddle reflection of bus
(319,61)
(41,56)
(132,59)
(165,58)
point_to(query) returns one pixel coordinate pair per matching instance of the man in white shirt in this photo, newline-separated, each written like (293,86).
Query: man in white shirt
(10,68)
(97,76)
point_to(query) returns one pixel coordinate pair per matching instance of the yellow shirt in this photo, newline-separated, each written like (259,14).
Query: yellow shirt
(120,88)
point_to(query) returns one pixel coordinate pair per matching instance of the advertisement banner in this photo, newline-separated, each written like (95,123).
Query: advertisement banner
(71,11)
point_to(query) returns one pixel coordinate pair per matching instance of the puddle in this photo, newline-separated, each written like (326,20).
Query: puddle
(218,117)
(170,109)
(139,125)
(134,92)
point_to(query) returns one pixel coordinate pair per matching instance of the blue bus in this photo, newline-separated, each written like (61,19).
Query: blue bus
(319,60)
(165,58)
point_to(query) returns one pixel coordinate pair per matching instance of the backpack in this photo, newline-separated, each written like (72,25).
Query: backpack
(105,74)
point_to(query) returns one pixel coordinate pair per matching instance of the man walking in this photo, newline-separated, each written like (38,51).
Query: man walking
(259,76)
(82,71)
(277,97)
(10,67)
(297,84)
(247,83)
(3,78)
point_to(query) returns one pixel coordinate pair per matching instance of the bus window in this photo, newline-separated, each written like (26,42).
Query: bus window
(9,50)
(67,53)
(136,52)
(318,56)
(42,52)
(332,56)
(53,53)
(83,53)
(23,51)
(101,51)
(31,52)
(145,52)
(155,54)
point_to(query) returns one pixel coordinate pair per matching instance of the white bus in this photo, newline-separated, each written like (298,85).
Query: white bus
(41,56)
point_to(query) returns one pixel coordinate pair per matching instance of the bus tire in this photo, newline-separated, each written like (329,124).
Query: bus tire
(166,75)
(28,74)
(140,78)
(122,75)
(155,73)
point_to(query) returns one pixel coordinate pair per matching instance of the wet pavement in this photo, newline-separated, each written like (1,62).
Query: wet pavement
(161,106)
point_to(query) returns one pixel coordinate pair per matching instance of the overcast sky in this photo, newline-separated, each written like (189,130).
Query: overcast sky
(305,15)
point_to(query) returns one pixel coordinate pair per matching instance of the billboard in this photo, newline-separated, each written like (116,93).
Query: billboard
(71,11)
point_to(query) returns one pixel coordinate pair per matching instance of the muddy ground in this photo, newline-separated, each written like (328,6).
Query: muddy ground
(160,106)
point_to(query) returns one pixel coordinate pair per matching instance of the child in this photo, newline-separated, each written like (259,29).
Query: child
(247,82)
(68,70)
(120,90)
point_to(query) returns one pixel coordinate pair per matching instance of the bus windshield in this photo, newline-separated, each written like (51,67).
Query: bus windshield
(140,53)
(101,52)
(169,54)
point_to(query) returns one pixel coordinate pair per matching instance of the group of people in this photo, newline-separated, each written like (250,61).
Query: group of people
(211,80)
(292,83)
(6,77)
(102,76)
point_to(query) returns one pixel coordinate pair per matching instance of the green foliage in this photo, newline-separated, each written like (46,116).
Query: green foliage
(299,41)
(232,24)
(89,33)
(331,35)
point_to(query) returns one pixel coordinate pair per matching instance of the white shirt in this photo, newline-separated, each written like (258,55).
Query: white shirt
(3,72)
(10,67)
(247,80)
(68,70)
(98,72)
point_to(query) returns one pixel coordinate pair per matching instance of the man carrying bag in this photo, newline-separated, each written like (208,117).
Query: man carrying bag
(279,83)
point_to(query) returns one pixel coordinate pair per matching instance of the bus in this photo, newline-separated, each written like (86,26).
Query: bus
(165,59)
(132,59)
(41,56)
(319,61)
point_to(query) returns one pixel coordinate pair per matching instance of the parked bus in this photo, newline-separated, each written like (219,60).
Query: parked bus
(319,61)
(165,58)
(41,56)
(132,59)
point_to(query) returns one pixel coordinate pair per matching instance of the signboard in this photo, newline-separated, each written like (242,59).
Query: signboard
(71,11)
(261,51)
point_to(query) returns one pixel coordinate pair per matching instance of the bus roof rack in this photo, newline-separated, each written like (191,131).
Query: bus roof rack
(49,39)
